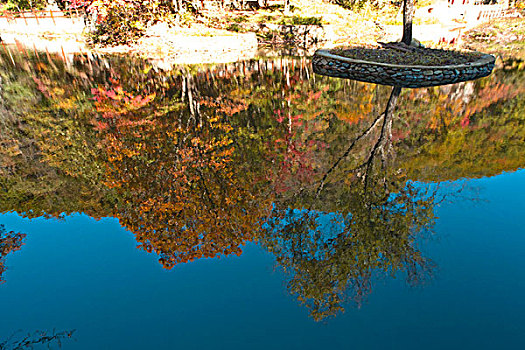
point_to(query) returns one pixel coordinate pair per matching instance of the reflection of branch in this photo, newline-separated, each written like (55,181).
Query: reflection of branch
(187,92)
(37,337)
(206,190)
(347,152)
(386,134)
(448,191)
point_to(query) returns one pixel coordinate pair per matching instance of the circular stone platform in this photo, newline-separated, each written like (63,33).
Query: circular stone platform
(411,76)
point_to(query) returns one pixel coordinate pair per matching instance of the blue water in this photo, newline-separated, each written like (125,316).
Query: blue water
(87,275)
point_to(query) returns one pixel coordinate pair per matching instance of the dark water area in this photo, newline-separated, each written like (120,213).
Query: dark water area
(257,205)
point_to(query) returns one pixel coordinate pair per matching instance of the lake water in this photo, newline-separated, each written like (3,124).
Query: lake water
(256,205)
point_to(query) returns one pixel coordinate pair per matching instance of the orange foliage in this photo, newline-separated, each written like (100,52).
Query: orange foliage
(185,197)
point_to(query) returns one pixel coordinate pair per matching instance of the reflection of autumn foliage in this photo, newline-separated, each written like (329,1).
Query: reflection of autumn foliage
(183,195)
(49,162)
(491,94)
(361,220)
(114,102)
(453,108)
(295,158)
(196,162)
(9,242)
(48,158)
(469,131)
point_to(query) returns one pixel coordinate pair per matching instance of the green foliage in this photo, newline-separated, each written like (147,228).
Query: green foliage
(351,4)
(17,5)
(298,20)
(123,24)
(234,27)
(240,19)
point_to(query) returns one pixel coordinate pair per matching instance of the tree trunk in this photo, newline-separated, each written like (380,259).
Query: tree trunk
(286,7)
(408,15)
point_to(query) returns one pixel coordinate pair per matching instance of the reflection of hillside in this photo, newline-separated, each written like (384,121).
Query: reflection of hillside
(47,147)
(197,162)
(472,130)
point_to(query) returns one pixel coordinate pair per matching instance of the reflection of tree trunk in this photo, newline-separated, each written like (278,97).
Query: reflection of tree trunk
(189,90)
(347,152)
(408,15)
(385,138)
(382,144)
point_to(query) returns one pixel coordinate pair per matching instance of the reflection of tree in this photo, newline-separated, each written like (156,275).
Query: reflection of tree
(357,222)
(184,193)
(9,242)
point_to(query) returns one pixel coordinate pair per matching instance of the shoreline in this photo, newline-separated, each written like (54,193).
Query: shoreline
(166,46)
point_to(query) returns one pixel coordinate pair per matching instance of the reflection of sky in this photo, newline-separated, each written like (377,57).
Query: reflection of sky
(87,275)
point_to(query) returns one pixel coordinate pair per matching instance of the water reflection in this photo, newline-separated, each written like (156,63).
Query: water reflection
(20,341)
(9,242)
(200,160)
(362,218)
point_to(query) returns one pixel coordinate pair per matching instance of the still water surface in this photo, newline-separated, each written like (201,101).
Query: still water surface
(257,205)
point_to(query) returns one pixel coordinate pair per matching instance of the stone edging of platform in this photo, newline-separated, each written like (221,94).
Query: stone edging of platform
(411,76)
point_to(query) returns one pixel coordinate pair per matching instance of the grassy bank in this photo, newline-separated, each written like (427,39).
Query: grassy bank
(504,37)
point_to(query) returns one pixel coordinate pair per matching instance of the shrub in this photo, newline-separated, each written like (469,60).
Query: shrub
(298,20)
(16,5)
(124,21)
